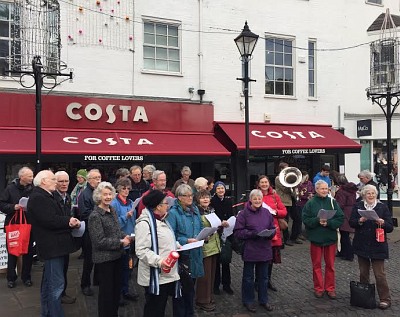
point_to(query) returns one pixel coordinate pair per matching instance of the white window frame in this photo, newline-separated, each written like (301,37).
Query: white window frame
(312,59)
(9,38)
(166,48)
(292,39)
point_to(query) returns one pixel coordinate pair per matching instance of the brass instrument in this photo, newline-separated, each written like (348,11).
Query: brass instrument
(291,177)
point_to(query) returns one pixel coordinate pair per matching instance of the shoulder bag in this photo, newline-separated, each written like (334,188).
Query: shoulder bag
(18,234)
(283,225)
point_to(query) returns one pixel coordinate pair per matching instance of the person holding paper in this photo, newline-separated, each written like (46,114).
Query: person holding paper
(257,253)
(184,218)
(322,234)
(155,240)
(278,210)
(211,249)
(370,251)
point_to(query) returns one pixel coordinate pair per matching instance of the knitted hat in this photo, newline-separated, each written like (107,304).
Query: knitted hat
(219,183)
(153,199)
(82,173)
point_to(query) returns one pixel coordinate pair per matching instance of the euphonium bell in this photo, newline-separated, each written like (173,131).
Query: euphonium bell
(290,177)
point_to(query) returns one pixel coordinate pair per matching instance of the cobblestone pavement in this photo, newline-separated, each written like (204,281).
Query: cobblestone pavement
(293,278)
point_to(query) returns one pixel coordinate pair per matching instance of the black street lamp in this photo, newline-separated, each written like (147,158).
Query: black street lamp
(246,42)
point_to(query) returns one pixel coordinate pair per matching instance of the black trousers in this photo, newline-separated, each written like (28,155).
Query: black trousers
(294,213)
(109,287)
(225,277)
(155,304)
(87,262)
(66,265)
(27,260)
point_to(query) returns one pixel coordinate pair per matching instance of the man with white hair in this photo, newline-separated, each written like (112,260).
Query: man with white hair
(148,171)
(366,178)
(9,205)
(52,231)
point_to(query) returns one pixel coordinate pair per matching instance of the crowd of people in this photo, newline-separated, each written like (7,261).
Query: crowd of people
(138,219)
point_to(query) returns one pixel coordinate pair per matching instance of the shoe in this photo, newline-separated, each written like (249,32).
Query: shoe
(87,291)
(289,243)
(332,294)
(298,241)
(11,284)
(318,294)
(384,305)
(250,307)
(65,299)
(217,291)
(206,307)
(272,287)
(267,306)
(131,297)
(28,283)
(228,290)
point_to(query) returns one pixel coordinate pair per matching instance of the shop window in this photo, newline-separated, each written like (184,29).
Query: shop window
(381,167)
(161,49)
(279,66)
(312,69)
(365,155)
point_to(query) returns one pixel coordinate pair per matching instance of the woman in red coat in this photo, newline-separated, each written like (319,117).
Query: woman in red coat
(273,203)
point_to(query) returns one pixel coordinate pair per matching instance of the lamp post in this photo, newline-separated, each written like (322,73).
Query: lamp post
(246,42)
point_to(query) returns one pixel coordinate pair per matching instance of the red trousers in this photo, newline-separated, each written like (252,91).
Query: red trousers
(329,253)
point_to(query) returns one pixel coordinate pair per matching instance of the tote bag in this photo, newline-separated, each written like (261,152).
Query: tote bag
(18,234)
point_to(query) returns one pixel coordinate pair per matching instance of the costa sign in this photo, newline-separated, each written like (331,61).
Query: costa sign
(93,112)
(109,141)
(287,134)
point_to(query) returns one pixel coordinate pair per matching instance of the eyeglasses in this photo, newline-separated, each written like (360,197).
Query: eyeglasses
(95,177)
(187,196)
(63,181)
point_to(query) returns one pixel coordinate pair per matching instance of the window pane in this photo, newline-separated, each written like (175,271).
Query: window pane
(288,74)
(288,89)
(269,88)
(174,66)
(161,29)
(4,11)
(279,73)
(4,48)
(149,28)
(149,52)
(310,62)
(173,31)
(173,41)
(4,29)
(149,63)
(279,88)
(269,44)
(149,39)
(288,60)
(311,76)
(288,46)
(161,53)
(311,46)
(269,73)
(278,59)
(161,65)
(173,54)
(311,90)
(161,40)
(278,45)
(269,57)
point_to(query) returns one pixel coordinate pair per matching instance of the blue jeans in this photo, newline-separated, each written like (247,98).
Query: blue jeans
(51,288)
(248,282)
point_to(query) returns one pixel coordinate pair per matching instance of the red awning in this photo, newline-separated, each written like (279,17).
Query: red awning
(18,141)
(285,138)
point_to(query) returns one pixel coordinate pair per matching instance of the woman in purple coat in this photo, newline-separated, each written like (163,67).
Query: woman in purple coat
(346,198)
(250,225)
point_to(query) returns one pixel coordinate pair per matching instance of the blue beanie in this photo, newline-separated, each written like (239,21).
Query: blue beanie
(219,183)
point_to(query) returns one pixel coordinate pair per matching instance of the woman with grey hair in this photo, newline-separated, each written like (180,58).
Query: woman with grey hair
(257,252)
(200,183)
(369,250)
(108,243)
(185,172)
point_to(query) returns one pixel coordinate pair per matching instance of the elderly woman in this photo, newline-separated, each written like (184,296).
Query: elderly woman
(185,172)
(126,214)
(185,220)
(108,243)
(154,241)
(369,251)
(278,210)
(200,183)
(257,253)
(211,249)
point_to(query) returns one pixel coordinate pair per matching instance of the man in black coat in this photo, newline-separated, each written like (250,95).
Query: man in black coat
(9,204)
(52,231)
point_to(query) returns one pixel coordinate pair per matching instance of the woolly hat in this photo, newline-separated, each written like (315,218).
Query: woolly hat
(219,183)
(82,173)
(153,199)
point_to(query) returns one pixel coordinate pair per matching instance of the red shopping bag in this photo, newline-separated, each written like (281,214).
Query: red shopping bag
(18,234)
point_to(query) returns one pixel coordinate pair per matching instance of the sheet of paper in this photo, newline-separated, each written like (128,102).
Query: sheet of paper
(326,214)
(206,232)
(190,246)
(213,219)
(136,202)
(78,232)
(23,202)
(369,214)
(267,233)
(229,230)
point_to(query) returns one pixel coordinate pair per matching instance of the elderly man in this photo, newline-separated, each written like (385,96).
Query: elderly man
(159,183)
(139,185)
(322,233)
(86,206)
(148,171)
(366,178)
(52,231)
(186,173)
(9,204)
(64,200)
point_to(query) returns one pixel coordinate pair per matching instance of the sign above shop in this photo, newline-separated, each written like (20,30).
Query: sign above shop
(364,127)
(113,158)
(303,151)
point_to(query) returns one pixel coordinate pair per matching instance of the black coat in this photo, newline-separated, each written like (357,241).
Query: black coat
(364,242)
(11,196)
(49,225)
(223,207)
(86,203)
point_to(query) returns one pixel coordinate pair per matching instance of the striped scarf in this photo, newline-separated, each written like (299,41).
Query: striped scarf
(154,286)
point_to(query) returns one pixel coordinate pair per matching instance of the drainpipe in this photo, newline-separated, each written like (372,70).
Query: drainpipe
(200,91)
(133,48)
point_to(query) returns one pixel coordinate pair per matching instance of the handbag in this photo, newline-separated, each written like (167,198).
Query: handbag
(237,245)
(226,252)
(362,295)
(283,225)
(18,234)
(187,283)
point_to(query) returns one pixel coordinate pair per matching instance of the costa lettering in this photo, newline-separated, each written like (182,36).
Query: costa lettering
(285,134)
(109,141)
(94,112)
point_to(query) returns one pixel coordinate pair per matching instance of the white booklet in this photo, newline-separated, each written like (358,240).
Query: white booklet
(213,219)
(190,246)
(229,230)
(369,214)
(267,233)
(78,232)
(206,232)
(326,214)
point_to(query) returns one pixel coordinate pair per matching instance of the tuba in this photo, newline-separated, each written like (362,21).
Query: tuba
(291,177)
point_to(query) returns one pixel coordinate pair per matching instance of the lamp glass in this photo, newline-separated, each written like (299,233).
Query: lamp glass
(246,41)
